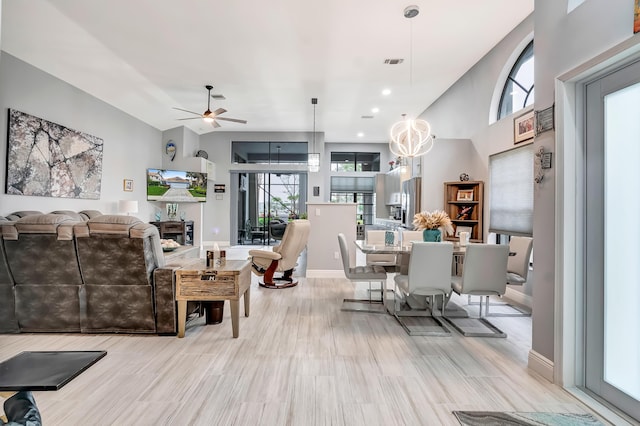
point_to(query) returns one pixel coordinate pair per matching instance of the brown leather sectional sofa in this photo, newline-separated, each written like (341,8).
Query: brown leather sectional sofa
(84,272)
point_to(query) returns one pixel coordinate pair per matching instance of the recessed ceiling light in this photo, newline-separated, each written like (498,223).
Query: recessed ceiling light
(375,110)
(386,92)
(360,134)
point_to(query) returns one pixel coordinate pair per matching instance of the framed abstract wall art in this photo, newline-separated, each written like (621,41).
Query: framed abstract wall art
(49,160)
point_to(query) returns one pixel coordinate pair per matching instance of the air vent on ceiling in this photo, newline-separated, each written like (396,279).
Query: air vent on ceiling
(218,97)
(393,61)
(367,116)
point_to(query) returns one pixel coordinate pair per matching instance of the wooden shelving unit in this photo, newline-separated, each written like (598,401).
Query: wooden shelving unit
(464,203)
(181,231)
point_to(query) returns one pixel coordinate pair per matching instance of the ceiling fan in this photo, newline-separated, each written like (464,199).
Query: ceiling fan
(210,116)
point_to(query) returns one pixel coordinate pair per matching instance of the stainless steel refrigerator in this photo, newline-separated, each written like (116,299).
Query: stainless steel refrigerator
(411,194)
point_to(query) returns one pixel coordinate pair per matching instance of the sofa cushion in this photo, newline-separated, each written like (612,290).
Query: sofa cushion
(112,224)
(73,215)
(59,224)
(22,213)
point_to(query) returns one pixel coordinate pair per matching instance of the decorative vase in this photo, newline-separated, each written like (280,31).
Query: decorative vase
(172,210)
(432,235)
(388,238)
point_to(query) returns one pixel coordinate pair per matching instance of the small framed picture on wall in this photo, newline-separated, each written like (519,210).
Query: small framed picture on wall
(523,127)
(127,185)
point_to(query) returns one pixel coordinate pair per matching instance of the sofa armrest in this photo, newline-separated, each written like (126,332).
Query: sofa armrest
(164,287)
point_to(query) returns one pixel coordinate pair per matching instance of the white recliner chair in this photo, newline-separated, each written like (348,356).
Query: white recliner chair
(284,256)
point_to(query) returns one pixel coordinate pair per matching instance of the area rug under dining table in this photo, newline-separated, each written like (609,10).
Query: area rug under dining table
(506,418)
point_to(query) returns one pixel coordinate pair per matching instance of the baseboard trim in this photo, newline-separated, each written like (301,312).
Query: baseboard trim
(519,297)
(327,273)
(540,365)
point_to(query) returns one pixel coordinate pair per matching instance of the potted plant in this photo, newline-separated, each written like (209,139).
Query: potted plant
(431,223)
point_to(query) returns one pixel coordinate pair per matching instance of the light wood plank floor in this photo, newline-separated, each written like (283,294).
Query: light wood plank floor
(299,360)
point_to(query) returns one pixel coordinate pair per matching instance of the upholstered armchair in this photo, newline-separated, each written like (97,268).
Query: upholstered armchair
(284,256)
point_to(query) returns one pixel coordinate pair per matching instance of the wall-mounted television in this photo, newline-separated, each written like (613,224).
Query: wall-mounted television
(176,186)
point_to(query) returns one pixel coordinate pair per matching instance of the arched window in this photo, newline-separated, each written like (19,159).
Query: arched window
(518,90)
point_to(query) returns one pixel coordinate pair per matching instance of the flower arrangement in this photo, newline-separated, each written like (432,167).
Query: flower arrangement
(433,220)
(391,163)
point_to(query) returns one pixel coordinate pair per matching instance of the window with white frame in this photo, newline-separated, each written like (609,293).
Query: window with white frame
(518,91)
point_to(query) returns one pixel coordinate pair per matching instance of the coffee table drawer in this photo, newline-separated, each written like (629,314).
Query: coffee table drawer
(205,285)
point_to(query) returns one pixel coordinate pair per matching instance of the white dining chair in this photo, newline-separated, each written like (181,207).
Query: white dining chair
(367,273)
(387,261)
(485,269)
(408,236)
(517,274)
(427,281)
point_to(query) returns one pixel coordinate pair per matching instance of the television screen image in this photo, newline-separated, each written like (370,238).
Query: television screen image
(176,186)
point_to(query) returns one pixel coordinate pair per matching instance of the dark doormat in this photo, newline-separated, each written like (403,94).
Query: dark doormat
(503,418)
(43,371)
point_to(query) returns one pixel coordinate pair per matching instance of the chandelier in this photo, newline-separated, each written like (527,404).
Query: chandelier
(411,138)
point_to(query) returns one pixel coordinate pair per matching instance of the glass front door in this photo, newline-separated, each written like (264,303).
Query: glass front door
(612,235)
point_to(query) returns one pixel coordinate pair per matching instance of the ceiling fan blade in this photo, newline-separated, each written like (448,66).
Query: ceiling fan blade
(235,120)
(215,124)
(190,118)
(219,111)
(186,110)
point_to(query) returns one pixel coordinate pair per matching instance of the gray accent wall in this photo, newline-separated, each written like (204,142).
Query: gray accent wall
(130,146)
(562,42)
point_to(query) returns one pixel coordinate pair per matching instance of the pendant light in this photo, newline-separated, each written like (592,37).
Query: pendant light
(313,158)
(411,138)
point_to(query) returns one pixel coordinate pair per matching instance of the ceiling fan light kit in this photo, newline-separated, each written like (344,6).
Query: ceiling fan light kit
(209,116)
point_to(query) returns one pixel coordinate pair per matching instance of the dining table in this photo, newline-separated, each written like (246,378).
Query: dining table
(403,252)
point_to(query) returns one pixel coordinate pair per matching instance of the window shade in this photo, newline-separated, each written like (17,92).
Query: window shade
(352,184)
(511,192)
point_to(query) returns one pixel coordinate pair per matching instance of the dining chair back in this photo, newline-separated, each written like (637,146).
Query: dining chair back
(518,264)
(484,272)
(376,237)
(429,269)
(429,276)
(408,236)
(367,273)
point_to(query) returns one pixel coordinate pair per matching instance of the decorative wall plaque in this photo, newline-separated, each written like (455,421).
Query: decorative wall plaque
(544,120)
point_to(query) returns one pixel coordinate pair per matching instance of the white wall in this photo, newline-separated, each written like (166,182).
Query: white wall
(130,146)
(327,221)
(444,163)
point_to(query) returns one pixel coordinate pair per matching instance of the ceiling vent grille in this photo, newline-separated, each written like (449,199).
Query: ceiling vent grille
(367,116)
(218,97)
(393,61)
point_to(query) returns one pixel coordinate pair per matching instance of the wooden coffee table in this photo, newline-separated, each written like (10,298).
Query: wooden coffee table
(196,282)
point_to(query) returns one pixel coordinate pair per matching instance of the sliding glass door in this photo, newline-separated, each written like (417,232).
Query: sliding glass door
(612,235)
(264,199)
